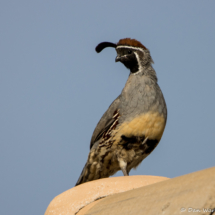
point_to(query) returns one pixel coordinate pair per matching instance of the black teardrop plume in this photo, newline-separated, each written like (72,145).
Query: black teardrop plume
(103,45)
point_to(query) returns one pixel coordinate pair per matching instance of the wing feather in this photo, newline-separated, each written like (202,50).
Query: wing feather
(105,122)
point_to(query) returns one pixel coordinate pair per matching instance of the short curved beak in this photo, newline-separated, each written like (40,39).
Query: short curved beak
(117,59)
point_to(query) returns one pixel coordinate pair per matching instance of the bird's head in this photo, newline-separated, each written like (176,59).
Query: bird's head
(130,52)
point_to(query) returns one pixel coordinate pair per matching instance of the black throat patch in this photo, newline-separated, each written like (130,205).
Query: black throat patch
(128,59)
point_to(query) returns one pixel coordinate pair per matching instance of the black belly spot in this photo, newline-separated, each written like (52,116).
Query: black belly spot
(128,142)
(151,144)
(133,139)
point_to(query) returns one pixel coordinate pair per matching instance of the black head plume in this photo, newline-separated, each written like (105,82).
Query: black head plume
(103,45)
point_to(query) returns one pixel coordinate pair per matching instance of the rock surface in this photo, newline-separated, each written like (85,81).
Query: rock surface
(189,194)
(72,200)
(193,193)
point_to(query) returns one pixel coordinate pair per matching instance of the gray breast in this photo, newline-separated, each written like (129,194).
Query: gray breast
(141,95)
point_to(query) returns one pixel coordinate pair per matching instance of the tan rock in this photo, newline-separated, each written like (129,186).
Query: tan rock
(71,201)
(85,209)
(189,194)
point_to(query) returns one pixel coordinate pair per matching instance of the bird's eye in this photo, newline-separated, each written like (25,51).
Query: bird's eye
(129,51)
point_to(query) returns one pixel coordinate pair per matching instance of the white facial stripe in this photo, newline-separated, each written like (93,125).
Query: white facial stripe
(130,47)
(139,64)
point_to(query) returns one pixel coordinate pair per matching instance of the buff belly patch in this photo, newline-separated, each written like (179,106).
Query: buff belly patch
(150,125)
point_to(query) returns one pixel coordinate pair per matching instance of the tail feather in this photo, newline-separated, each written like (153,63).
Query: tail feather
(89,173)
(81,177)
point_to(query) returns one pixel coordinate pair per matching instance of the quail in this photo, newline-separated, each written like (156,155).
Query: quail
(133,124)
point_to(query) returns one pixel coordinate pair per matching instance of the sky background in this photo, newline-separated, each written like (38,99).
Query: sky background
(54,88)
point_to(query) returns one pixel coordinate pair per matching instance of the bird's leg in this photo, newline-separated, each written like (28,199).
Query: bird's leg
(123,166)
(124,169)
(125,172)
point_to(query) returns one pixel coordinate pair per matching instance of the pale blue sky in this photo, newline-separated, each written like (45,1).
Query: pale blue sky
(54,88)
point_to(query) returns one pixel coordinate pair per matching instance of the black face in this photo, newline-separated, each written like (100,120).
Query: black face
(128,58)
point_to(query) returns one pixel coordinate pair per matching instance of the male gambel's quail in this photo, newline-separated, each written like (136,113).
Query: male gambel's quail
(134,123)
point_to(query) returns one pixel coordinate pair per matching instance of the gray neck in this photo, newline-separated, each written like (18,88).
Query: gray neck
(146,70)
